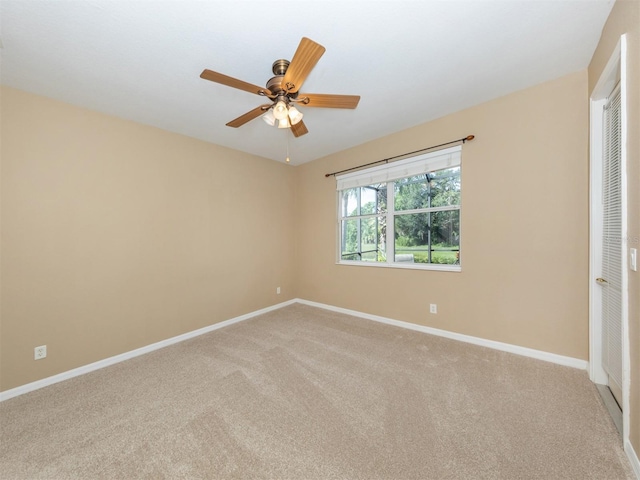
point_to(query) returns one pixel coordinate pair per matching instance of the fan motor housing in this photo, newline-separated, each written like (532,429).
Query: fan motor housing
(275,84)
(279,68)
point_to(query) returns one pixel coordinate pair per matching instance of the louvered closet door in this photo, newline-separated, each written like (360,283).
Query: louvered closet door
(611,281)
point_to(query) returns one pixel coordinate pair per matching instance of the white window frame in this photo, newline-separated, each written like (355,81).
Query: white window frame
(416,165)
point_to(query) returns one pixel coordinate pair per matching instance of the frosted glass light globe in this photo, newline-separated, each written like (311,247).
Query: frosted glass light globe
(280,110)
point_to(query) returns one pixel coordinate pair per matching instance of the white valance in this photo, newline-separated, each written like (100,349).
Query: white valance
(409,167)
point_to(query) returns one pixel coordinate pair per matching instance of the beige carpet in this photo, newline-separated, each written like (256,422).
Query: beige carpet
(304,393)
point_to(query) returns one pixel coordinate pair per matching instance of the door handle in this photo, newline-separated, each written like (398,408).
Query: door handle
(601,281)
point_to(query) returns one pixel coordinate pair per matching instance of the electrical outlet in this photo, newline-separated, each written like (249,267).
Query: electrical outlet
(433,308)
(40,352)
(278,290)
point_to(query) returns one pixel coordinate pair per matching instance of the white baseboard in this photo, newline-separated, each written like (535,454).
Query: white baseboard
(45,382)
(505,347)
(633,458)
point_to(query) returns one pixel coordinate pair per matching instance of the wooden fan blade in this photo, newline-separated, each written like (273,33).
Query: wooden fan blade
(247,117)
(322,100)
(305,58)
(233,82)
(299,129)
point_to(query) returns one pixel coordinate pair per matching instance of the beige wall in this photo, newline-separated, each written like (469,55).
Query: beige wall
(117,235)
(625,19)
(524,226)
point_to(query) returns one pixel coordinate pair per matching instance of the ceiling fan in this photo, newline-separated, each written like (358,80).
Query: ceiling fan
(283,90)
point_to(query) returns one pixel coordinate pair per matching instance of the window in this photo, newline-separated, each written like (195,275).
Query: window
(403,214)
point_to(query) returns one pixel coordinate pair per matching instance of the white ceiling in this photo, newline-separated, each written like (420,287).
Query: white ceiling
(410,61)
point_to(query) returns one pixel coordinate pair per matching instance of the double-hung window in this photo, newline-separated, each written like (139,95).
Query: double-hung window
(402,214)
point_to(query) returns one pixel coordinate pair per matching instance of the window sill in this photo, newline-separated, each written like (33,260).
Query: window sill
(406,266)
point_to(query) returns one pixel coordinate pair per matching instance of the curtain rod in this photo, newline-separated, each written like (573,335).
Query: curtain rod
(468,138)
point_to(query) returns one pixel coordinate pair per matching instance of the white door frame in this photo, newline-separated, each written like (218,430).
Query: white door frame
(614,71)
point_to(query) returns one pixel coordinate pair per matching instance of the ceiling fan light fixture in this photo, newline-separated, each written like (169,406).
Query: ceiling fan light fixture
(283,123)
(280,110)
(269,118)
(295,115)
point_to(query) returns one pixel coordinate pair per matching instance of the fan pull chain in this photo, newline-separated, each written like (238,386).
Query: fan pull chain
(287,134)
